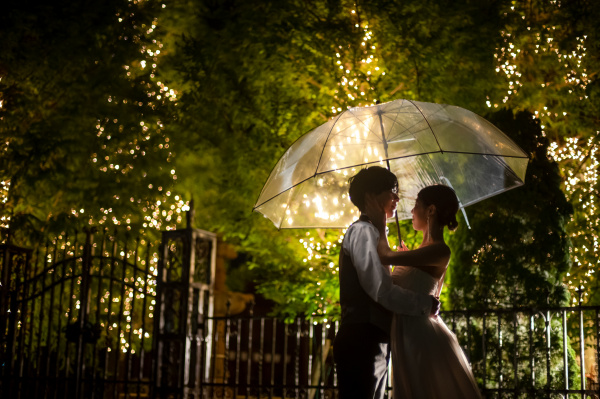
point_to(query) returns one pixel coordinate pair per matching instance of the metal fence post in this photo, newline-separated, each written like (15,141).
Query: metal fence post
(185,285)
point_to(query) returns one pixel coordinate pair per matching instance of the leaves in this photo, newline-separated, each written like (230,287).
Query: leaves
(517,251)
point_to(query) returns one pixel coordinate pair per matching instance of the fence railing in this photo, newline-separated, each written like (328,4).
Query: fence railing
(77,320)
(80,319)
(515,353)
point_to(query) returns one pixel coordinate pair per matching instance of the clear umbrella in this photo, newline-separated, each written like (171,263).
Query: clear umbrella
(421,143)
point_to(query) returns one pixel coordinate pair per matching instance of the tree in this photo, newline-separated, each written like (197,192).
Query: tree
(549,64)
(516,256)
(251,81)
(238,83)
(517,252)
(82,116)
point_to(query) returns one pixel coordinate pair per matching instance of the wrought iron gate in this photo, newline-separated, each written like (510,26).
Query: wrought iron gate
(98,315)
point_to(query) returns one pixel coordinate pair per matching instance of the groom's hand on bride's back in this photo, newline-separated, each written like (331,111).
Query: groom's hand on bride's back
(435,307)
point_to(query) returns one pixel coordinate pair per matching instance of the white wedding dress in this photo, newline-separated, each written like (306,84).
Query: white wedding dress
(427,361)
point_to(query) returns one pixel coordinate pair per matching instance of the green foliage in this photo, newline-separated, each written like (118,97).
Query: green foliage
(251,84)
(517,255)
(549,64)
(517,252)
(80,118)
(437,51)
(251,78)
(311,287)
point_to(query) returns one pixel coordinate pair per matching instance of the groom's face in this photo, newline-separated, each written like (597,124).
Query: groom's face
(388,200)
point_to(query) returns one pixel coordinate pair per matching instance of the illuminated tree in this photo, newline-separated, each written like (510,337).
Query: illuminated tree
(548,61)
(82,116)
(517,252)
(136,107)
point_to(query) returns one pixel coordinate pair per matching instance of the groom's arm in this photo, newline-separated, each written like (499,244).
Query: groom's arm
(361,244)
(431,259)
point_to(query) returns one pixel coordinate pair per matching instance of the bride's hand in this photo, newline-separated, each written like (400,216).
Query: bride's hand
(402,247)
(375,212)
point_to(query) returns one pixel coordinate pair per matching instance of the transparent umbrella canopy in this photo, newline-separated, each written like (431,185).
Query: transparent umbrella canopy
(421,143)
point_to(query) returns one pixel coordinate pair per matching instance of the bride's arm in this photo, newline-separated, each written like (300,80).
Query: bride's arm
(431,259)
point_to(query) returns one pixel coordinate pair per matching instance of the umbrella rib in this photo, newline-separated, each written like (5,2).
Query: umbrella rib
(435,168)
(318,163)
(331,170)
(492,194)
(407,130)
(484,153)
(432,132)
(274,166)
(326,140)
(368,163)
(282,155)
(466,127)
(368,129)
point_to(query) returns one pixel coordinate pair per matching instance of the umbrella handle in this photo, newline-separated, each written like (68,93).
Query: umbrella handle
(387,160)
(398,229)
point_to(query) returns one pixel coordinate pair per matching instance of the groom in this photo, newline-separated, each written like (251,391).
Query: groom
(367,295)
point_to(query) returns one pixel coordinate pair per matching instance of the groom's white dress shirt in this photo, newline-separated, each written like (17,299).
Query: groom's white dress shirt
(360,243)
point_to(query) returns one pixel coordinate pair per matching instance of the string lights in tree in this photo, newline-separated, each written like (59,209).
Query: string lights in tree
(114,156)
(136,152)
(4,184)
(547,61)
(4,189)
(161,209)
(357,67)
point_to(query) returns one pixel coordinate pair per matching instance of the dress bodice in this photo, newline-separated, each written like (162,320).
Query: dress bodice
(415,280)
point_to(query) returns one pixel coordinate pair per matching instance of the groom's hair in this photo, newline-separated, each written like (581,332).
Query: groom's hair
(373,180)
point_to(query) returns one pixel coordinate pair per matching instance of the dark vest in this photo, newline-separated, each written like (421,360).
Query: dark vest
(357,305)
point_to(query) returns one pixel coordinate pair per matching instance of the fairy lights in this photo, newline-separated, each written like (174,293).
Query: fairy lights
(162,209)
(121,151)
(118,157)
(4,189)
(355,82)
(358,68)
(555,66)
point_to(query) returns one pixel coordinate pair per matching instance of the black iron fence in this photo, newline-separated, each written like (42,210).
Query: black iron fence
(515,353)
(102,316)
(80,318)
(99,315)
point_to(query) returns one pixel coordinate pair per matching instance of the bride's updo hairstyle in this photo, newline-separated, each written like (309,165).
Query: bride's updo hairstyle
(373,180)
(445,201)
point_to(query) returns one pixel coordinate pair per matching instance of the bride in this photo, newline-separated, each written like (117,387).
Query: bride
(427,361)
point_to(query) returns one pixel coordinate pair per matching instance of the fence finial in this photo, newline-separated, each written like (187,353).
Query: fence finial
(190,215)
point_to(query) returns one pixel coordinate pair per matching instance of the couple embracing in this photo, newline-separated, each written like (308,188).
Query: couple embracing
(395,312)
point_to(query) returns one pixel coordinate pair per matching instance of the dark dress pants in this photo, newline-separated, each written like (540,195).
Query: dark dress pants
(361,354)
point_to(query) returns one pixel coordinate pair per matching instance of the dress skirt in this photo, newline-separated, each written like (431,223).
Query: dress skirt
(428,362)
